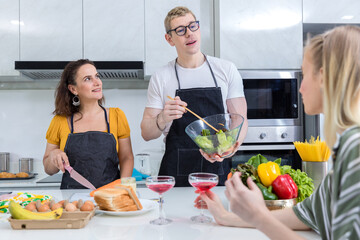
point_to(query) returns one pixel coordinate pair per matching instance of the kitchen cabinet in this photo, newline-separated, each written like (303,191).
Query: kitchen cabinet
(260,34)
(331,11)
(157,51)
(9,37)
(114,30)
(51,30)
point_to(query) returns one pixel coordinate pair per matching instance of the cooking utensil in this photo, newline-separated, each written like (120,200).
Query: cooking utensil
(77,177)
(197,116)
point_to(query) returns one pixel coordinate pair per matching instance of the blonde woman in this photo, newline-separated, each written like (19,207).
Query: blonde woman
(331,84)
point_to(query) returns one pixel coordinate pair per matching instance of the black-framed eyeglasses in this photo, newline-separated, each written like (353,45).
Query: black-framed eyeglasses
(181,30)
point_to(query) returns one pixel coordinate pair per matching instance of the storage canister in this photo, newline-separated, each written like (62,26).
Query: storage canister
(26,165)
(4,162)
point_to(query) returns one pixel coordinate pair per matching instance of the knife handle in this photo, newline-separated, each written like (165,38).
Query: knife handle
(68,167)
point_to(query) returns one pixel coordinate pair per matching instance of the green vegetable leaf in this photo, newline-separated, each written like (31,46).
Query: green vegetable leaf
(278,161)
(205,132)
(304,183)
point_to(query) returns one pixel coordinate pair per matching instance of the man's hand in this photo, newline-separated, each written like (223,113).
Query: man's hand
(216,158)
(173,109)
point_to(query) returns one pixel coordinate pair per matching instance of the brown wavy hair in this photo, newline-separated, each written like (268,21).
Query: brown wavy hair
(63,96)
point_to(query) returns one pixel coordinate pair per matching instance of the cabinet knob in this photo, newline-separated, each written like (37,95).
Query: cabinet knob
(284,135)
(262,135)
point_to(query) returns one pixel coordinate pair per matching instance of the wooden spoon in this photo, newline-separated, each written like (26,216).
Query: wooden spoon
(197,116)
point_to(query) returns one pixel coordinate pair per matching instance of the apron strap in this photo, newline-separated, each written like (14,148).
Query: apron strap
(106,119)
(72,123)
(107,122)
(212,73)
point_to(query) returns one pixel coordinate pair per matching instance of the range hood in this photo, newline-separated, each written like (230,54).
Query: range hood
(107,69)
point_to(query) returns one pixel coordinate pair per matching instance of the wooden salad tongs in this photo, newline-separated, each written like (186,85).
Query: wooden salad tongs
(197,116)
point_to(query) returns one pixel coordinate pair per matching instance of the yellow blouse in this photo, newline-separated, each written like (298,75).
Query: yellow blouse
(59,130)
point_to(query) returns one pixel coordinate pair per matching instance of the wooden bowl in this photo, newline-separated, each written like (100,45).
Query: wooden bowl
(280,204)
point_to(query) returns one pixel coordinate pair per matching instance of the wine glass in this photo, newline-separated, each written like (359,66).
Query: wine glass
(160,184)
(203,182)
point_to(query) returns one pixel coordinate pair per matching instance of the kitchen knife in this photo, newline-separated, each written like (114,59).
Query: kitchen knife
(77,177)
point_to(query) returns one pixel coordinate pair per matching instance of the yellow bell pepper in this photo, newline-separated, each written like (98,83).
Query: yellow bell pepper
(268,172)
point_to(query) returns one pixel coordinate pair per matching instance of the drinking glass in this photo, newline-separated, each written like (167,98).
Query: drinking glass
(203,182)
(160,184)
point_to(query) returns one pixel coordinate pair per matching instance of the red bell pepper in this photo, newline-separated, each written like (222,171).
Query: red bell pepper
(285,187)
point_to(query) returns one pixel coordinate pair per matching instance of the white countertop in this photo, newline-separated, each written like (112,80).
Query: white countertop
(178,206)
(28,183)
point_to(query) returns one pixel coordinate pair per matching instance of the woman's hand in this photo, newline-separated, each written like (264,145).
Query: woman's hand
(248,203)
(58,158)
(209,200)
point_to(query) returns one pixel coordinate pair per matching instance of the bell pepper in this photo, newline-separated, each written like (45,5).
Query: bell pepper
(268,172)
(266,194)
(285,187)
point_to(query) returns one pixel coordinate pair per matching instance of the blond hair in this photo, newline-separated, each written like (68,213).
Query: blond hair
(174,13)
(339,49)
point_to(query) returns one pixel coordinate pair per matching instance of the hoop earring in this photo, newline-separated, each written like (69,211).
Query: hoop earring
(76,101)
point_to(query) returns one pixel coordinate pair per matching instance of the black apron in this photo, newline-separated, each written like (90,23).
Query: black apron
(182,155)
(92,154)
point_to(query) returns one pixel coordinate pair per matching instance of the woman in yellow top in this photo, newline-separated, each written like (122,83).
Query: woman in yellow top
(83,134)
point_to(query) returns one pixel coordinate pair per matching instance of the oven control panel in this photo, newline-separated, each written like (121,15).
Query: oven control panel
(274,134)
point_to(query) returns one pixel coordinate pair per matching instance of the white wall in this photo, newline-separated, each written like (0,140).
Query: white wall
(25,116)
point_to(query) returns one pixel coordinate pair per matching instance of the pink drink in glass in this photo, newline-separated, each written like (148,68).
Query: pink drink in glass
(160,184)
(160,188)
(203,182)
(204,186)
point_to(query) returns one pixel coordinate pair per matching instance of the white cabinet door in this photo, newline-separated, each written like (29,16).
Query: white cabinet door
(52,30)
(9,37)
(331,11)
(157,51)
(261,34)
(114,30)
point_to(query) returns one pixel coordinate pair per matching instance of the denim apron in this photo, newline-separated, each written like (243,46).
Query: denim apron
(92,154)
(182,155)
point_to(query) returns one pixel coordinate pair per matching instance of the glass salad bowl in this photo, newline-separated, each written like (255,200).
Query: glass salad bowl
(214,143)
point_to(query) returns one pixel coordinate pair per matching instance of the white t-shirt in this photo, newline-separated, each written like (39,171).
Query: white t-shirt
(163,82)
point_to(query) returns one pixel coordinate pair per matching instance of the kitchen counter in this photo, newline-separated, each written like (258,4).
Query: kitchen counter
(178,206)
(30,183)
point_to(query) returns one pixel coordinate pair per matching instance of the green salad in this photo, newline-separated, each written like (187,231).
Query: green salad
(218,143)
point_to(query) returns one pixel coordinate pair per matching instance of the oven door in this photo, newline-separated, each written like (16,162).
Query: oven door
(272,97)
(287,153)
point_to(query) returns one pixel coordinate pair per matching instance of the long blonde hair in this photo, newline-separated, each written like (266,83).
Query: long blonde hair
(339,50)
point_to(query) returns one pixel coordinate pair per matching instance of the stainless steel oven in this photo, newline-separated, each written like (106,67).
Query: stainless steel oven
(275,116)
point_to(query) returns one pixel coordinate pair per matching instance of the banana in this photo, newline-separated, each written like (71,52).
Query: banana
(18,212)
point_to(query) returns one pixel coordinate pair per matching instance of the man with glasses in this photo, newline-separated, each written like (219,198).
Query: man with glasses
(207,85)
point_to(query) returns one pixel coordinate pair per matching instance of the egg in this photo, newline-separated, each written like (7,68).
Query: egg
(31,206)
(89,202)
(46,202)
(87,207)
(44,208)
(70,207)
(56,206)
(75,203)
(62,202)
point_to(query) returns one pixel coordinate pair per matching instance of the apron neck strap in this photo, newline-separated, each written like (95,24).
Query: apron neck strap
(106,119)
(212,73)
